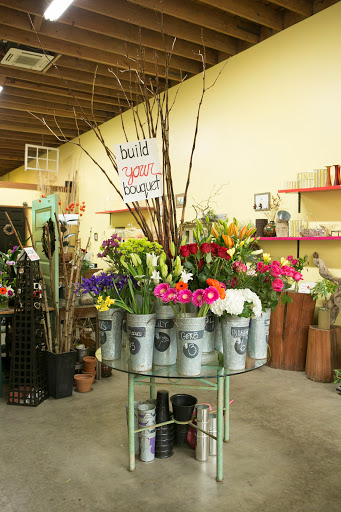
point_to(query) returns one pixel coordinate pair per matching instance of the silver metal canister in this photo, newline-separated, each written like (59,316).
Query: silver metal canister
(212,428)
(202,440)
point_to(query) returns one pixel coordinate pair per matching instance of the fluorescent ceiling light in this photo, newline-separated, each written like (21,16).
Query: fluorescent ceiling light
(56,9)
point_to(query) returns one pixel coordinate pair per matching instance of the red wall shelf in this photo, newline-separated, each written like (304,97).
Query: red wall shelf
(315,189)
(300,238)
(125,210)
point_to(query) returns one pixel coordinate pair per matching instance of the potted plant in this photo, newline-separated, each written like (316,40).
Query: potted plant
(323,290)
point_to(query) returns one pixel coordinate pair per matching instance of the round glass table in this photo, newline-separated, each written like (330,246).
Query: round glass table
(213,377)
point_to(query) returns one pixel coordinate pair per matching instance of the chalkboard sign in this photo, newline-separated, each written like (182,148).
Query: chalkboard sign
(138,332)
(134,345)
(209,323)
(102,337)
(161,341)
(190,350)
(190,335)
(267,322)
(164,324)
(240,334)
(105,325)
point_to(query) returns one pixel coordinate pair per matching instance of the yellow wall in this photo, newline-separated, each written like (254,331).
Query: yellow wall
(274,111)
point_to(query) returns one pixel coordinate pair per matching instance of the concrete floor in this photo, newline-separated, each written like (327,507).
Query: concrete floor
(71,454)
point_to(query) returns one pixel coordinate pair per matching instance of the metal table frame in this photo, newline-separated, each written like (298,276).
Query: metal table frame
(221,385)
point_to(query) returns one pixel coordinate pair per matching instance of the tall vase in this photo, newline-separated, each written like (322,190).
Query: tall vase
(328,180)
(235,334)
(189,332)
(257,345)
(165,336)
(110,332)
(141,331)
(337,175)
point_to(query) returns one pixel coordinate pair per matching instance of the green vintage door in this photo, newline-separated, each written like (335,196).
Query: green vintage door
(41,212)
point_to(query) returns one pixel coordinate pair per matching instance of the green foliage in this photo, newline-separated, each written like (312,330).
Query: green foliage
(337,377)
(323,289)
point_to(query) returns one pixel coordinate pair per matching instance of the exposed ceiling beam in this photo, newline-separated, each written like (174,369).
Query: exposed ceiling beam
(251,10)
(142,17)
(205,17)
(304,7)
(109,26)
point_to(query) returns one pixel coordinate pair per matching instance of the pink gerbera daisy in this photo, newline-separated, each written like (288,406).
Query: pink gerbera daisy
(184,296)
(211,295)
(160,289)
(170,295)
(198,298)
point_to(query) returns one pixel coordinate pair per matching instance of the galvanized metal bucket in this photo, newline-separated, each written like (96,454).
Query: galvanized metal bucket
(209,334)
(235,334)
(109,323)
(125,337)
(189,332)
(165,336)
(141,330)
(218,335)
(257,345)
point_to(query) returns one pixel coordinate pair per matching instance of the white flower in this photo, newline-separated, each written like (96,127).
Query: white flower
(155,277)
(186,276)
(233,304)
(257,252)
(151,259)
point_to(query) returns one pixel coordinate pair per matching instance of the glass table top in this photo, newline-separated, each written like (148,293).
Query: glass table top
(208,371)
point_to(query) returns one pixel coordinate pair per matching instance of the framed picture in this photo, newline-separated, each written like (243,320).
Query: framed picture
(262,202)
(179,200)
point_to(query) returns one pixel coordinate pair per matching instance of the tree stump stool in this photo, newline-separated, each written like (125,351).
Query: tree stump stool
(323,353)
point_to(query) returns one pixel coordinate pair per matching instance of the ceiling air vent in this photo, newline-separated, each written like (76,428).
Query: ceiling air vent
(25,59)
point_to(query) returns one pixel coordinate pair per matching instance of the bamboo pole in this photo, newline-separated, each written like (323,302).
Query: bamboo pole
(57,340)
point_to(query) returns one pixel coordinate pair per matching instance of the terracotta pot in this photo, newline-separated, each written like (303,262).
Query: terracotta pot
(92,375)
(83,382)
(89,363)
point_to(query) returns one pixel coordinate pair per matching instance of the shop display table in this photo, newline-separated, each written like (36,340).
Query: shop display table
(211,378)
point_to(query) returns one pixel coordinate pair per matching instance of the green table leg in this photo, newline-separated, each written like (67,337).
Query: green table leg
(227,409)
(131,422)
(152,388)
(220,428)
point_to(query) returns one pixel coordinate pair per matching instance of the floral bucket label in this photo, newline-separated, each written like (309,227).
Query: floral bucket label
(240,335)
(134,345)
(161,341)
(190,350)
(105,325)
(267,322)
(164,323)
(139,170)
(190,335)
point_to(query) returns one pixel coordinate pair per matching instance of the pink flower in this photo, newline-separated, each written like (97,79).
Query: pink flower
(198,297)
(170,295)
(260,265)
(297,276)
(277,285)
(184,296)
(287,271)
(294,262)
(161,289)
(290,258)
(10,292)
(238,266)
(211,294)
(276,264)
(275,271)
(233,282)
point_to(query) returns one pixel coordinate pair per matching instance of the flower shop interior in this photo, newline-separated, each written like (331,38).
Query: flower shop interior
(170,218)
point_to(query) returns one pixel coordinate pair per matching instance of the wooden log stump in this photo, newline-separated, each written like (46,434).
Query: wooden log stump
(288,334)
(323,353)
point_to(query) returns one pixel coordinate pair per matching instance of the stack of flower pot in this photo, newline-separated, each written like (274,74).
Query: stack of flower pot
(183,408)
(146,418)
(89,365)
(164,434)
